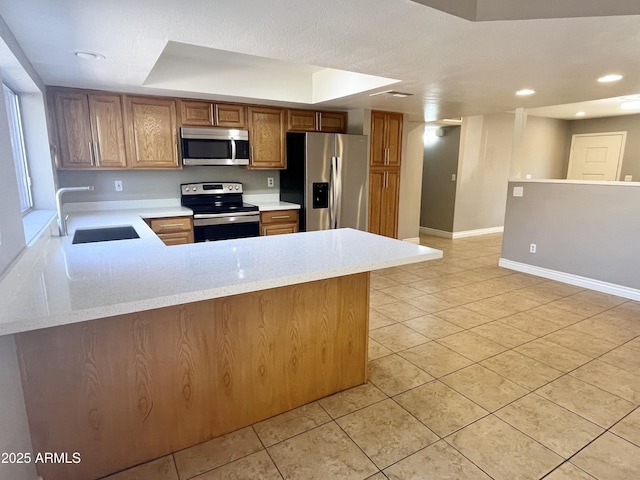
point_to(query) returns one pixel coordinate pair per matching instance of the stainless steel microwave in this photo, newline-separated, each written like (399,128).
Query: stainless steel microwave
(214,146)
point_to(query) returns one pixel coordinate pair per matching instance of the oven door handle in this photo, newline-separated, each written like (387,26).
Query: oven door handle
(242,217)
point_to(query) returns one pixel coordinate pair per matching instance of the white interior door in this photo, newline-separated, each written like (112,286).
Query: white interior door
(596,156)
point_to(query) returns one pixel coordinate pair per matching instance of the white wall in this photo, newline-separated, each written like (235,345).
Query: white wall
(410,180)
(540,148)
(486,147)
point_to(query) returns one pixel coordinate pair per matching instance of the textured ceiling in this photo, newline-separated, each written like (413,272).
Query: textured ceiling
(488,10)
(453,67)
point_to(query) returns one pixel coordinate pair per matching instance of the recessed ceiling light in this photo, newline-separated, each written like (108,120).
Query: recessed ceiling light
(580,114)
(613,77)
(89,55)
(525,91)
(630,105)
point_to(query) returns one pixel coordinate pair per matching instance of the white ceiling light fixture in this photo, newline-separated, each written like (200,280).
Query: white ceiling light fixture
(89,55)
(612,77)
(635,105)
(525,91)
(580,114)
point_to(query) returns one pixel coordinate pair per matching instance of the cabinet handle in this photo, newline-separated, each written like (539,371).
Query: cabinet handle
(251,153)
(386,179)
(386,156)
(91,154)
(319,121)
(216,119)
(281,216)
(170,225)
(177,155)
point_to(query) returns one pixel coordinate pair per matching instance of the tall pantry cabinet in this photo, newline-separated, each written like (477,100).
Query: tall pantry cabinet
(384,172)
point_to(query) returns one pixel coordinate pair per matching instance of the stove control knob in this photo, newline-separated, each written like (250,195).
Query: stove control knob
(186,189)
(230,187)
(194,188)
(237,187)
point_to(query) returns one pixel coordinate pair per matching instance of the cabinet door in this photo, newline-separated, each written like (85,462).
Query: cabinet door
(376,182)
(152,132)
(301,120)
(332,122)
(74,129)
(378,144)
(107,128)
(384,187)
(394,138)
(266,137)
(230,115)
(389,207)
(198,114)
(279,229)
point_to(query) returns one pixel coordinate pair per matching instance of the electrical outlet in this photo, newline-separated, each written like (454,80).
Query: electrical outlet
(270,182)
(532,248)
(453,177)
(518,191)
(628,178)
(118,185)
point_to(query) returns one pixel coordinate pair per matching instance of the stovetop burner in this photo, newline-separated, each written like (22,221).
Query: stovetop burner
(214,198)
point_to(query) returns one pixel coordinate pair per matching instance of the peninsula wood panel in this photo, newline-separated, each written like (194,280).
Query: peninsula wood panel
(128,389)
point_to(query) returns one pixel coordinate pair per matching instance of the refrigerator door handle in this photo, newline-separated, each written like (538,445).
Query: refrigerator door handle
(337,191)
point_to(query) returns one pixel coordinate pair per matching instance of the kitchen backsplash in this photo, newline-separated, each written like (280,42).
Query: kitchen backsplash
(151,184)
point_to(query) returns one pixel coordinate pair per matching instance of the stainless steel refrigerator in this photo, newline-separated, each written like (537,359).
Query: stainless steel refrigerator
(327,174)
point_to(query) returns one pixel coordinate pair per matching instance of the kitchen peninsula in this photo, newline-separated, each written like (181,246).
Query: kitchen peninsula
(130,349)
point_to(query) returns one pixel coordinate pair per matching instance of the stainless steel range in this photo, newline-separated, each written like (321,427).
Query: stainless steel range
(219,212)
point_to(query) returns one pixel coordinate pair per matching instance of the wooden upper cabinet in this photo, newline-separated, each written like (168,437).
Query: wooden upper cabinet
(332,122)
(267,137)
(301,120)
(386,139)
(207,114)
(90,130)
(197,114)
(152,132)
(107,128)
(316,121)
(230,115)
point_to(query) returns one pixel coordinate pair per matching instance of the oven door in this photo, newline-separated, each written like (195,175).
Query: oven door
(225,226)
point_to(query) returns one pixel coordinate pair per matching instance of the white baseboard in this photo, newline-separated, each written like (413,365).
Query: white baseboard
(435,232)
(415,240)
(571,279)
(480,231)
(467,233)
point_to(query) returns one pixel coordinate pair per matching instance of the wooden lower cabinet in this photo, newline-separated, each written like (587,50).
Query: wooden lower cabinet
(127,389)
(384,191)
(278,222)
(172,230)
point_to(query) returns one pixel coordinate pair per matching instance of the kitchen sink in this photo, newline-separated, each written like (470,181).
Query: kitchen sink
(106,234)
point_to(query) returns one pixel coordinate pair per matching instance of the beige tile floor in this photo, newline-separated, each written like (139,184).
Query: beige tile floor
(475,372)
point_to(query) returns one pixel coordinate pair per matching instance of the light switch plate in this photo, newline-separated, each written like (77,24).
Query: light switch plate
(518,191)
(628,178)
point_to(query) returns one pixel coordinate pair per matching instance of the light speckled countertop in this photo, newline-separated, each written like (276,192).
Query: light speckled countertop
(57,283)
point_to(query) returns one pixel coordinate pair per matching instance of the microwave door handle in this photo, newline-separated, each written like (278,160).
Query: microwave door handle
(233,149)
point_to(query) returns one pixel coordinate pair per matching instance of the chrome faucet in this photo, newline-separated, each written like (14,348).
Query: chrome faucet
(62,221)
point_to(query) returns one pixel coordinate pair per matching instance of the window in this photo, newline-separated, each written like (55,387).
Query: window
(19,152)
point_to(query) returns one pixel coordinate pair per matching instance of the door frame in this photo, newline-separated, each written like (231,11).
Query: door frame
(620,158)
